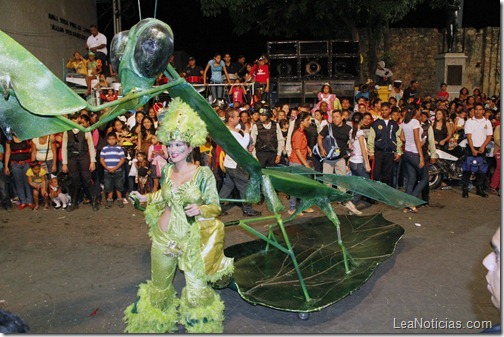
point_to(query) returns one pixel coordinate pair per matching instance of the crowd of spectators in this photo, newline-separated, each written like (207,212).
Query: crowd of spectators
(370,141)
(391,140)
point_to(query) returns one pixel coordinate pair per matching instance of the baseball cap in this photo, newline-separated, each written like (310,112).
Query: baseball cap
(265,111)
(261,58)
(191,58)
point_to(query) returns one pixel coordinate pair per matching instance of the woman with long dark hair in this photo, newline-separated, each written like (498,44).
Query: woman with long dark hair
(217,68)
(300,149)
(442,130)
(463,93)
(359,160)
(146,132)
(413,157)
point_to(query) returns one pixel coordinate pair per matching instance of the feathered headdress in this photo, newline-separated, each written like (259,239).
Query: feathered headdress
(181,122)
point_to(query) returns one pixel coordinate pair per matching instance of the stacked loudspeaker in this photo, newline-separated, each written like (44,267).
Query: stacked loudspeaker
(302,67)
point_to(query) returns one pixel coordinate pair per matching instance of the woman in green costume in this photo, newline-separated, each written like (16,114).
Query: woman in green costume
(184,232)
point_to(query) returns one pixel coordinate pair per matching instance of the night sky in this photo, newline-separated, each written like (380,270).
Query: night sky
(202,36)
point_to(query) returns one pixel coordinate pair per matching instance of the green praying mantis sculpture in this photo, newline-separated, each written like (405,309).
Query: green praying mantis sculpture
(35,103)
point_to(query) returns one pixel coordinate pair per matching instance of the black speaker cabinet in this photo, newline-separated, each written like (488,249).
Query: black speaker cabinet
(343,88)
(315,67)
(284,68)
(345,67)
(313,47)
(312,87)
(285,48)
(290,89)
(344,47)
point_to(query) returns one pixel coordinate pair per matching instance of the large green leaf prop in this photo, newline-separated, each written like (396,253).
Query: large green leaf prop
(268,278)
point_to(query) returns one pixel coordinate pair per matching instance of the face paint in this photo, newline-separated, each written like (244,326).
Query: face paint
(178,150)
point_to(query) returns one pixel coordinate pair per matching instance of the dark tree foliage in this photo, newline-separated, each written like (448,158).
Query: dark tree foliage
(321,19)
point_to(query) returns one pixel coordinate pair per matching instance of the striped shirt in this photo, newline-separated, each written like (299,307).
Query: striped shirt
(112,155)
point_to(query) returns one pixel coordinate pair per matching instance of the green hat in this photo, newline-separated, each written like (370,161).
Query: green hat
(91,53)
(181,122)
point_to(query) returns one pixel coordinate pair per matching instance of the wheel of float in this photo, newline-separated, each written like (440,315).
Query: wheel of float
(304,315)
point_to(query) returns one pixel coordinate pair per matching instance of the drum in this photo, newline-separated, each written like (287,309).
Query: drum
(195,79)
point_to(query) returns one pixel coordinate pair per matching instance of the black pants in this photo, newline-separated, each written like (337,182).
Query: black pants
(426,189)
(235,178)
(317,165)
(383,166)
(266,159)
(80,176)
(4,191)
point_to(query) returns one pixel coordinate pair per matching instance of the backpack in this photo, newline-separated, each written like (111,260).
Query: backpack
(330,146)
(474,164)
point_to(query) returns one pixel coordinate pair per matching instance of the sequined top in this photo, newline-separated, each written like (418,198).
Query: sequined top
(182,230)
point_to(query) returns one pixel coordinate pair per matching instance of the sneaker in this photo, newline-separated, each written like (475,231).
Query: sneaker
(351,207)
(291,211)
(120,203)
(22,206)
(309,210)
(109,203)
(32,206)
(64,206)
(125,201)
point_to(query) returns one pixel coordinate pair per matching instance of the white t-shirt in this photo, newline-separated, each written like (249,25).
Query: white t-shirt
(479,130)
(356,155)
(94,41)
(408,128)
(243,140)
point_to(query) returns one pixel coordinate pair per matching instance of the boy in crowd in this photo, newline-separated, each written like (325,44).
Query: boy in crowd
(112,159)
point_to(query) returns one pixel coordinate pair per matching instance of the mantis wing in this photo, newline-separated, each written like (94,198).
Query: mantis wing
(33,95)
(370,188)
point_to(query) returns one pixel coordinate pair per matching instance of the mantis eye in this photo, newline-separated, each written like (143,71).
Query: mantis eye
(117,46)
(153,49)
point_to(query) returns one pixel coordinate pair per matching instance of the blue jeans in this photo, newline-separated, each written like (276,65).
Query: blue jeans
(23,189)
(417,177)
(358,169)
(217,90)
(293,200)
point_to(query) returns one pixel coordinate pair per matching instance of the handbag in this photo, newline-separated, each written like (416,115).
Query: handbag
(330,146)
